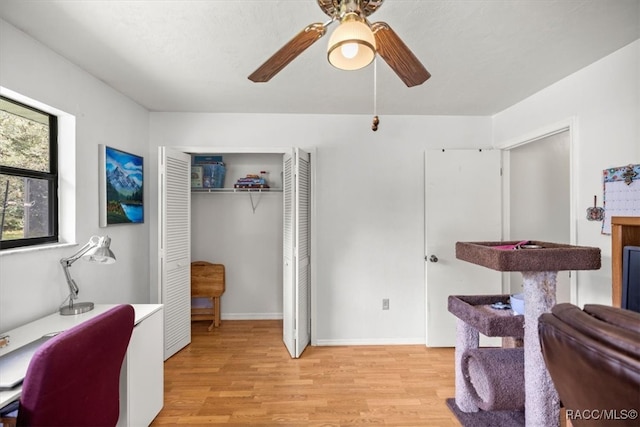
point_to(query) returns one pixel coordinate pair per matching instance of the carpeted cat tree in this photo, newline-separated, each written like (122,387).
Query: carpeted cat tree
(493,385)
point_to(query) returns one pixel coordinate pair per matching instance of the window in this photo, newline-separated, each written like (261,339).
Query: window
(28,176)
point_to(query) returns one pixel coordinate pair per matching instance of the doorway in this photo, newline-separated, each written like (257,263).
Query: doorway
(539,198)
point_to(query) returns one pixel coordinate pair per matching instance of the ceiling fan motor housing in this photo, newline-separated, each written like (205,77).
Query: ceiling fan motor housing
(338,8)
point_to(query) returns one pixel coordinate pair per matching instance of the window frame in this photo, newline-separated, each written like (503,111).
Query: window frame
(51,177)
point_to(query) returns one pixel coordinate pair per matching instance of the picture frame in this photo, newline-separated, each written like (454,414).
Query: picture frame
(121,187)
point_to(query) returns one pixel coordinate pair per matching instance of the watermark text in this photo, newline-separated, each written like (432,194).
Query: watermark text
(602,414)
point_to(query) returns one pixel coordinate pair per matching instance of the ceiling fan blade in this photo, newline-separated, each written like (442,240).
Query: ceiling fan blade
(399,57)
(287,53)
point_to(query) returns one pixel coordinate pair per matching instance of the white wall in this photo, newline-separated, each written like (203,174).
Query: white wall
(603,100)
(32,283)
(369,195)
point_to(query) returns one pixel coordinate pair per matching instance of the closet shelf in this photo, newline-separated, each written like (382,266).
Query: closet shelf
(236,190)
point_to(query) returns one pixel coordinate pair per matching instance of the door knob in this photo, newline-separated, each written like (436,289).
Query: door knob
(433,258)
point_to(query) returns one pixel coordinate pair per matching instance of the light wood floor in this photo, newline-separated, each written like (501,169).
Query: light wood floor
(241,374)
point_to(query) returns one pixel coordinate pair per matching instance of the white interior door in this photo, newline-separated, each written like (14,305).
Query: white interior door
(296,254)
(462,204)
(288,258)
(175,248)
(303,256)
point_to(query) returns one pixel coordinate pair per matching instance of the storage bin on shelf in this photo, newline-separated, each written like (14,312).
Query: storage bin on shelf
(210,169)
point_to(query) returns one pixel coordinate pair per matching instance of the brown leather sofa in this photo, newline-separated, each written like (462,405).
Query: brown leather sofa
(593,357)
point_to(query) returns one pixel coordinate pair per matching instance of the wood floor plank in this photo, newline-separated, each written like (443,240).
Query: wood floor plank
(241,374)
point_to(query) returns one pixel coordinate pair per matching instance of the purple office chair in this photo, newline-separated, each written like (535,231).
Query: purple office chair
(74,378)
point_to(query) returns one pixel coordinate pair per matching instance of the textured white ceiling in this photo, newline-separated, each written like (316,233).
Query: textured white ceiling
(195,56)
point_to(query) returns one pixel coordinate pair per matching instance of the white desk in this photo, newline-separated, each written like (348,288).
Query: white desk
(142,374)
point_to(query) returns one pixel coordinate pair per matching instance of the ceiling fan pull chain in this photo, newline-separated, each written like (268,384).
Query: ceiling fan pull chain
(376,119)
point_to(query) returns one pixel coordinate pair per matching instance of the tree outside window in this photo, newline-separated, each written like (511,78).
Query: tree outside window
(28,176)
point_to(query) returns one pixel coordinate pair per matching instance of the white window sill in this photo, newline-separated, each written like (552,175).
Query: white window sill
(38,248)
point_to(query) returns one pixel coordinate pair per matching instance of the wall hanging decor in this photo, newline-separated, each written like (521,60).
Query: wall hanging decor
(121,187)
(595,213)
(621,193)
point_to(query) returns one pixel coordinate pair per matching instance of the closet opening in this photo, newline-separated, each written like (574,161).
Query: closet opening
(260,233)
(242,229)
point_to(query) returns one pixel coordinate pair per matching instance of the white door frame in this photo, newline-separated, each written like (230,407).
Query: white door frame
(569,125)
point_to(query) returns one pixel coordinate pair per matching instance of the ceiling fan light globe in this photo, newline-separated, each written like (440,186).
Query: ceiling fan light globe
(349,50)
(351,32)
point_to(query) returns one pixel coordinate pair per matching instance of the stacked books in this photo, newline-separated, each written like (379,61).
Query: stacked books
(251,181)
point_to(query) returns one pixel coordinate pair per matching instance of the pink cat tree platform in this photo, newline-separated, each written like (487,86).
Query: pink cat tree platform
(539,268)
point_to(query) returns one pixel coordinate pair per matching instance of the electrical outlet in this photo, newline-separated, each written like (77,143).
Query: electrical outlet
(385,304)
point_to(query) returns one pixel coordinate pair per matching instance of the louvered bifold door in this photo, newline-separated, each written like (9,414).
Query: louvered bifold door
(303,240)
(288,267)
(175,248)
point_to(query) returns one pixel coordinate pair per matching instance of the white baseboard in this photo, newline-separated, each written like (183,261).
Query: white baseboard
(328,342)
(251,316)
(371,341)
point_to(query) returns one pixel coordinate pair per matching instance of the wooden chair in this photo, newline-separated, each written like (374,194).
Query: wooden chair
(207,282)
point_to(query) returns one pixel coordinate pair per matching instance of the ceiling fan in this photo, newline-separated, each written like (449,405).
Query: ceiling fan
(353,45)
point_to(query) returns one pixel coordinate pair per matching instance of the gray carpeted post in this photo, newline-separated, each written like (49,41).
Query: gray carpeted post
(467,337)
(542,405)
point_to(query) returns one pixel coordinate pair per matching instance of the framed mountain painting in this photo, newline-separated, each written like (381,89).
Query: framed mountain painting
(121,187)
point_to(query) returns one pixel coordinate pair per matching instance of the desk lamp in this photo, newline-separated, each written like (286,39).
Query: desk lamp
(95,250)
